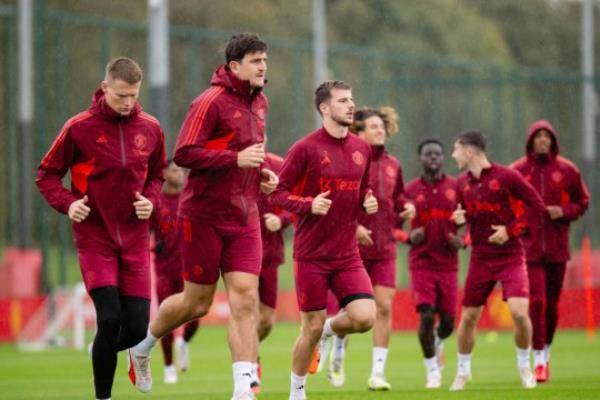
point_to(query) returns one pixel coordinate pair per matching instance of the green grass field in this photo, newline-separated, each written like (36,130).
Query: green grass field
(66,374)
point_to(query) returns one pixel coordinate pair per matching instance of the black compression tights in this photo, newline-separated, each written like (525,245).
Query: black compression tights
(426,328)
(122,323)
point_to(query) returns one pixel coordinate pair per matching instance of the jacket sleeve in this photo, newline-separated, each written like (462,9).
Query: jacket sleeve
(365,183)
(196,147)
(288,194)
(522,196)
(399,197)
(155,179)
(53,168)
(579,199)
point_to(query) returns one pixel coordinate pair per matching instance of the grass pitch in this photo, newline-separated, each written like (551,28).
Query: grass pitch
(66,374)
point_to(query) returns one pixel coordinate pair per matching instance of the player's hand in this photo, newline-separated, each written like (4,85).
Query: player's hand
(78,211)
(370,203)
(143,206)
(409,212)
(455,241)
(417,235)
(458,216)
(272,222)
(321,204)
(500,236)
(363,236)
(268,181)
(252,156)
(555,212)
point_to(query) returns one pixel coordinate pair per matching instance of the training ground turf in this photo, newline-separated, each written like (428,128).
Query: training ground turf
(66,374)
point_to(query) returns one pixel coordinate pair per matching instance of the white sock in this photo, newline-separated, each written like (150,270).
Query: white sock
(339,347)
(431,365)
(104,399)
(547,351)
(539,357)
(327,329)
(145,346)
(439,344)
(464,364)
(523,358)
(379,358)
(242,377)
(297,385)
(255,372)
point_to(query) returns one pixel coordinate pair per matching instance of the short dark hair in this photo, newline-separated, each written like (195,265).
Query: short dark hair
(323,92)
(241,44)
(125,69)
(473,137)
(426,142)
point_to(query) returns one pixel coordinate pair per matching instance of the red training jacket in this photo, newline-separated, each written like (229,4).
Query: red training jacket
(498,197)
(110,157)
(559,183)
(272,242)
(315,164)
(435,202)
(387,184)
(223,120)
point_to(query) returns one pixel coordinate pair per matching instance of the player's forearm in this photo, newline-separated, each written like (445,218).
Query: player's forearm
(198,158)
(57,196)
(298,205)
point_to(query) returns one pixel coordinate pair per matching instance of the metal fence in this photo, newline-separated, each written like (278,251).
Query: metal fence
(435,97)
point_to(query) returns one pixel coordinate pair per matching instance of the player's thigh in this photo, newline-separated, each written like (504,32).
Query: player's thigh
(267,286)
(384,296)
(422,283)
(514,280)
(134,273)
(201,250)
(350,281)
(382,272)
(98,269)
(536,273)
(242,249)
(312,283)
(447,292)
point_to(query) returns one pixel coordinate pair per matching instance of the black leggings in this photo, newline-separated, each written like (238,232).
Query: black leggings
(427,325)
(122,323)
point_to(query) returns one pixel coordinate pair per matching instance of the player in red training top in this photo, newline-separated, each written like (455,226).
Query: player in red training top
(433,255)
(375,235)
(324,181)
(167,266)
(222,143)
(559,183)
(116,156)
(494,198)
(274,220)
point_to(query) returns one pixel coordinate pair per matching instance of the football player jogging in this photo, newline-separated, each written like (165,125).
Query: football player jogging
(167,267)
(116,155)
(492,198)
(221,142)
(324,181)
(375,236)
(566,197)
(433,255)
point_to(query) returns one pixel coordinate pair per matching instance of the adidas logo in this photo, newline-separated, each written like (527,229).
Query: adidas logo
(301,387)
(102,139)
(248,374)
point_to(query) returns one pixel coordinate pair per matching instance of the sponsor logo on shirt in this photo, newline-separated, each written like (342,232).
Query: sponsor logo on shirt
(450,194)
(342,185)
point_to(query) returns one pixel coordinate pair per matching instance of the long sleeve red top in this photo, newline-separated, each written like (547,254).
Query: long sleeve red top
(498,197)
(315,164)
(435,202)
(111,157)
(559,183)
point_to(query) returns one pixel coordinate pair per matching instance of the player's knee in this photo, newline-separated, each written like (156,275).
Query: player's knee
(426,320)
(363,322)
(243,307)
(384,309)
(446,326)
(520,317)
(109,324)
(266,322)
(193,310)
(537,306)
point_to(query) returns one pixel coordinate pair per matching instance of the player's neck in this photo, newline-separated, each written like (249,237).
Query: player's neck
(431,176)
(171,189)
(334,129)
(478,164)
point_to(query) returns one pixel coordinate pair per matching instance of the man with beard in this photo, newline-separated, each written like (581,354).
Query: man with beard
(324,180)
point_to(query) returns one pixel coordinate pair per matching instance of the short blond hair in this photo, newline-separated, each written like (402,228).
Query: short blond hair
(125,69)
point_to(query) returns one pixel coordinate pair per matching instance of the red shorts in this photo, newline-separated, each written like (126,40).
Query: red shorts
(485,272)
(168,285)
(208,250)
(267,285)
(347,279)
(435,288)
(129,271)
(382,272)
